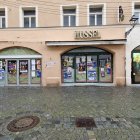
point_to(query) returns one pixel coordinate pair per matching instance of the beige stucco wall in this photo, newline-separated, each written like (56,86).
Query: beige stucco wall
(49,11)
(59,34)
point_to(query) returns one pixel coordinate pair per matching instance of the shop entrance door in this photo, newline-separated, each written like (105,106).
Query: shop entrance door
(18,72)
(86,69)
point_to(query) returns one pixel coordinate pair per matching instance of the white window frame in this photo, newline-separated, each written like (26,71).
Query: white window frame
(21,14)
(133,9)
(76,14)
(6,17)
(103,5)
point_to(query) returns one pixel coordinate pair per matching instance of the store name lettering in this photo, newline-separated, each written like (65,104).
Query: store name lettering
(87,34)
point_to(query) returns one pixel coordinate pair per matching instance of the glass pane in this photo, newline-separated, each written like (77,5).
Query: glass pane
(26,22)
(3,22)
(92,20)
(137,7)
(29,12)
(69,11)
(92,74)
(12,72)
(137,15)
(35,71)
(68,68)
(66,21)
(99,19)
(23,71)
(2,71)
(72,21)
(105,68)
(95,9)
(2,13)
(33,22)
(80,68)
(136,67)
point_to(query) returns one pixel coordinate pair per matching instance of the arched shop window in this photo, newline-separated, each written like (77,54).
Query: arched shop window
(87,65)
(20,66)
(136,66)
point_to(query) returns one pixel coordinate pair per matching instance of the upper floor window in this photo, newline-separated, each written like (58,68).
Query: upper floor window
(2,18)
(137,11)
(29,18)
(95,15)
(69,16)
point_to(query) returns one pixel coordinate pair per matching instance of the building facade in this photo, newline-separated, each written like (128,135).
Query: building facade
(64,42)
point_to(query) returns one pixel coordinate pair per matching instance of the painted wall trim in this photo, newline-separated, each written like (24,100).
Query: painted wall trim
(96,42)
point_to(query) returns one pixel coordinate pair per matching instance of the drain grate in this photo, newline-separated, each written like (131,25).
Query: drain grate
(23,123)
(87,122)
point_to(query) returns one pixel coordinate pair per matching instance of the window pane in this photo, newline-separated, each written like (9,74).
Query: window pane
(69,11)
(29,12)
(26,22)
(80,68)
(66,21)
(105,68)
(137,15)
(2,13)
(68,68)
(3,22)
(72,21)
(99,19)
(92,69)
(94,10)
(36,71)
(137,6)
(92,19)
(33,22)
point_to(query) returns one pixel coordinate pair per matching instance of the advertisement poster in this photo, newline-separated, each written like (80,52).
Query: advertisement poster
(1,74)
(92,75)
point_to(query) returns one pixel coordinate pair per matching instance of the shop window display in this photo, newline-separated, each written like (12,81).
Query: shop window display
(105,70)
(2,71)
(136,67)
(35,71)
(87,65)
(80,68)
(12,71)
(68,68)
(92,74)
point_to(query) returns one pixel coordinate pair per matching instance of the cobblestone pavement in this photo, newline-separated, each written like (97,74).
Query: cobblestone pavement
(116,112)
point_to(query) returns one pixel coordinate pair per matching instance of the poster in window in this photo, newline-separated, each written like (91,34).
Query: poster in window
(92,75)
(102,72)
(0,64)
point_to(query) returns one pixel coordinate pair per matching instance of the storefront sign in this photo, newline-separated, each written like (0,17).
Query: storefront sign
(87,34)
